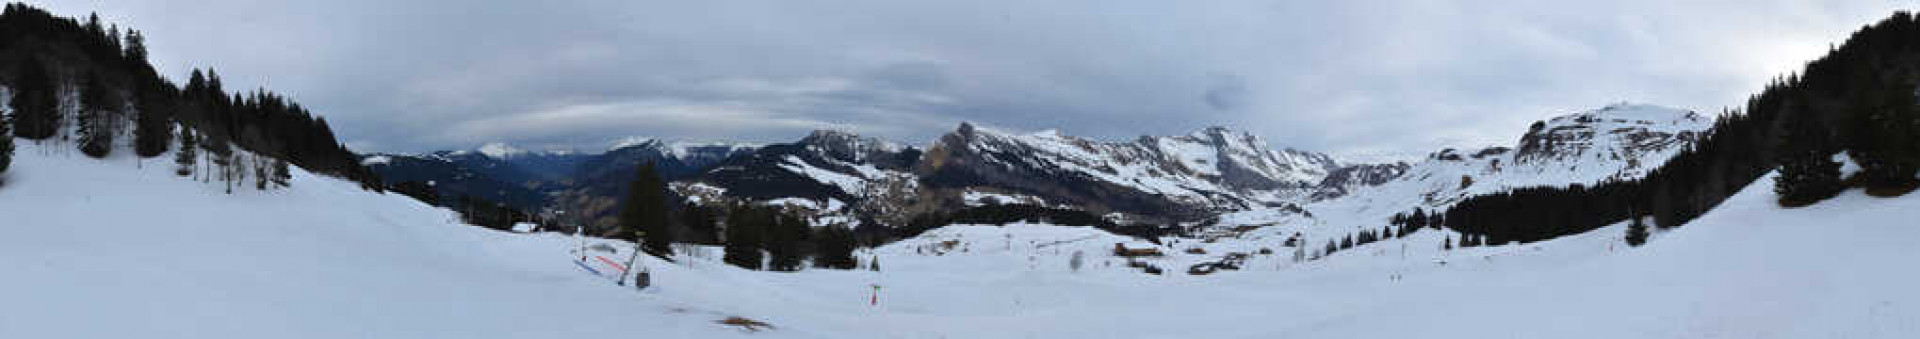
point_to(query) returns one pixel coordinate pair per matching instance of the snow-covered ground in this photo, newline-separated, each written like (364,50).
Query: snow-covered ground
(101,249)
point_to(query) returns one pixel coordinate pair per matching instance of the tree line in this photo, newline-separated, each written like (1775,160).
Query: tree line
(43,57)
(754,236)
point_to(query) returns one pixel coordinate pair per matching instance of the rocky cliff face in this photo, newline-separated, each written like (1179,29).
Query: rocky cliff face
(852,148)
(1344,180)
(1157,177)
(1621,133)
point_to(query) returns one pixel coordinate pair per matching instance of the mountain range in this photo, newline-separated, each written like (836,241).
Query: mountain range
(1617,142)
(837,176)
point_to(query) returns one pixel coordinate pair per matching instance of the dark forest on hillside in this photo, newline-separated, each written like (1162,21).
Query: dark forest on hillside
(43,57)
(1858,99)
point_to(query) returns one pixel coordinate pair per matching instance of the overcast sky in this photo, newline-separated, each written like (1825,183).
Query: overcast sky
(1347,77)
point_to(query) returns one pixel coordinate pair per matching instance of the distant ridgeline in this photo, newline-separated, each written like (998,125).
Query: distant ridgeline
(1858,99)
(45,58)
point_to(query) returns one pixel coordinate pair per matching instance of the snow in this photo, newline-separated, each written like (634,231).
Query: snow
(817,213)
(1646,114)
(377,160)
(1215,168)
(974,198)
(847,183)
(794,202)
(104,249)
(500,150)
(680,149)
(698,192)
(848,140)
(1195,156)
(630,142)
(1440,181)
(1747,269)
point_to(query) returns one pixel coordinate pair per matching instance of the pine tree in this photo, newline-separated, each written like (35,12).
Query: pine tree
(241,167)
(1636,232)
(93,25)
(96,125)
(282,176)
(645,211)
(698,222)
(48,63)
(1884,148)
(744,228)
(784,243)
(153,126)
(260,173)
(136,49)
(196,89)
(187,157)
(1897,136)
(220,154)
(419,191)
(835,244)
(35,102)
(1808,173)
(6,143)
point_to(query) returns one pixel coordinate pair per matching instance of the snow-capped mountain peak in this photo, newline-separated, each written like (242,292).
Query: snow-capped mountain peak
(630,142)
(849,146)
(1248,159)
(1212,169)
(683,149)
(500,150)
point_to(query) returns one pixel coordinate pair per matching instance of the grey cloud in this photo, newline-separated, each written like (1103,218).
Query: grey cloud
(1227,93)
(1350,77)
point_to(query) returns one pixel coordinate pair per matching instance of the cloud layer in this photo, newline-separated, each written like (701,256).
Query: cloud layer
(1352,77)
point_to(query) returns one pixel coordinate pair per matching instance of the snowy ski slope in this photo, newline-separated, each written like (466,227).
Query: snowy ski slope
(101,249)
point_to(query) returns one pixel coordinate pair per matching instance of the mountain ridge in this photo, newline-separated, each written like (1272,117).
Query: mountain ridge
(1187,177)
